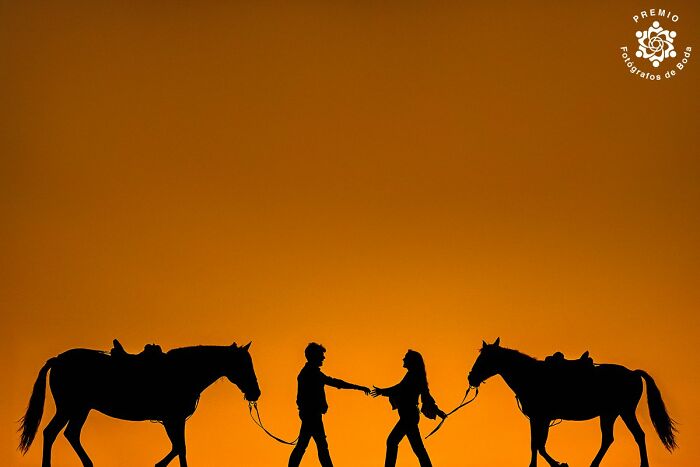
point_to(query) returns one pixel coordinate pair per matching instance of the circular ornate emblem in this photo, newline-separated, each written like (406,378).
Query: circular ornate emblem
(655,44)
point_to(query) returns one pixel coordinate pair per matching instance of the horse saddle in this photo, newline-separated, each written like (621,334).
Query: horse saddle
(559,362)
(150,353)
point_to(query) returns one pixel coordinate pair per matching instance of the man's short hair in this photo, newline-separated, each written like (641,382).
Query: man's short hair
(314,350)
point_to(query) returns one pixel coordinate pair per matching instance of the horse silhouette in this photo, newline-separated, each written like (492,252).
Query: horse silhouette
(575,390)
(164,387)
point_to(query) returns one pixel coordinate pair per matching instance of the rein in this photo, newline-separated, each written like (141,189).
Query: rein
(254,405)
(461,404)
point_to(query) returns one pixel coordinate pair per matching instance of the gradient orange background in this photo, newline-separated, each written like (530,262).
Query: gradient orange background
(373,177)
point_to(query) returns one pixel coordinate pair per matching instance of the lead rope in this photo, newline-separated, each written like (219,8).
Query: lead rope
(461,404)
(254,405)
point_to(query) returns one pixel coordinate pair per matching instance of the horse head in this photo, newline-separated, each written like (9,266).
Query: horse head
(242,374)
(487,363)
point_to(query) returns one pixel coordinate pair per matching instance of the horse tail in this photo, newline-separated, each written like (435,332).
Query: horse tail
(29,424)
(664,425)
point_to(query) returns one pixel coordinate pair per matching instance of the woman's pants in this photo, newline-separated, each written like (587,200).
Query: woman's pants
(408,427)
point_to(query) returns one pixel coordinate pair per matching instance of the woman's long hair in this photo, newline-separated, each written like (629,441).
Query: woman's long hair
(416,366)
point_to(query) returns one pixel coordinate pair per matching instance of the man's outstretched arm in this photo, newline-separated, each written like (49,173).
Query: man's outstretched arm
(340,384)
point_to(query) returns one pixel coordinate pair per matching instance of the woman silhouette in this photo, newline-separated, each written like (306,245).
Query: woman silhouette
(404,398)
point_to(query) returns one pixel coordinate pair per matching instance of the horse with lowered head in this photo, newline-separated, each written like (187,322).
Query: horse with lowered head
(164,388)
(575,390)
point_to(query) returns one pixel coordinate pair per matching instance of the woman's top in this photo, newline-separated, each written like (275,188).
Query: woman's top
(404,396)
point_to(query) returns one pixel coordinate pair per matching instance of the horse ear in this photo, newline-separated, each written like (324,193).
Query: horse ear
(247,346)
(483,344)
(497,342)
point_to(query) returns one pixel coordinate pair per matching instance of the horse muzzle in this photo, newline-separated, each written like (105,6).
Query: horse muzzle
(252,395)
(473,380)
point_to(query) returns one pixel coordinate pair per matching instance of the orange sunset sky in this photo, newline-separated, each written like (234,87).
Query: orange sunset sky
(374,176)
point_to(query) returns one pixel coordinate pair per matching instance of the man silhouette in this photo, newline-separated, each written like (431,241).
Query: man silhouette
(311,401)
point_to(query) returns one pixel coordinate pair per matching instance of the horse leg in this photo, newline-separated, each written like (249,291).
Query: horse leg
(535,434)
(72,434)
(540,432)
(176,432)
(169,457)
(630,419)
(50,433)
(606,429)
(179,436)
(173,451)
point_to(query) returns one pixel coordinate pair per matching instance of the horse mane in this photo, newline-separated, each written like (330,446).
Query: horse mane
(199,351)
(518,354)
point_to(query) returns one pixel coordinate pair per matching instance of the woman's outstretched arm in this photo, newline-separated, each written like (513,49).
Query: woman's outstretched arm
(387,392)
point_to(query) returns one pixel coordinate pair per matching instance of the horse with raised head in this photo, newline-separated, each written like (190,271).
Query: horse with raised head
(164,388)
(575,390)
